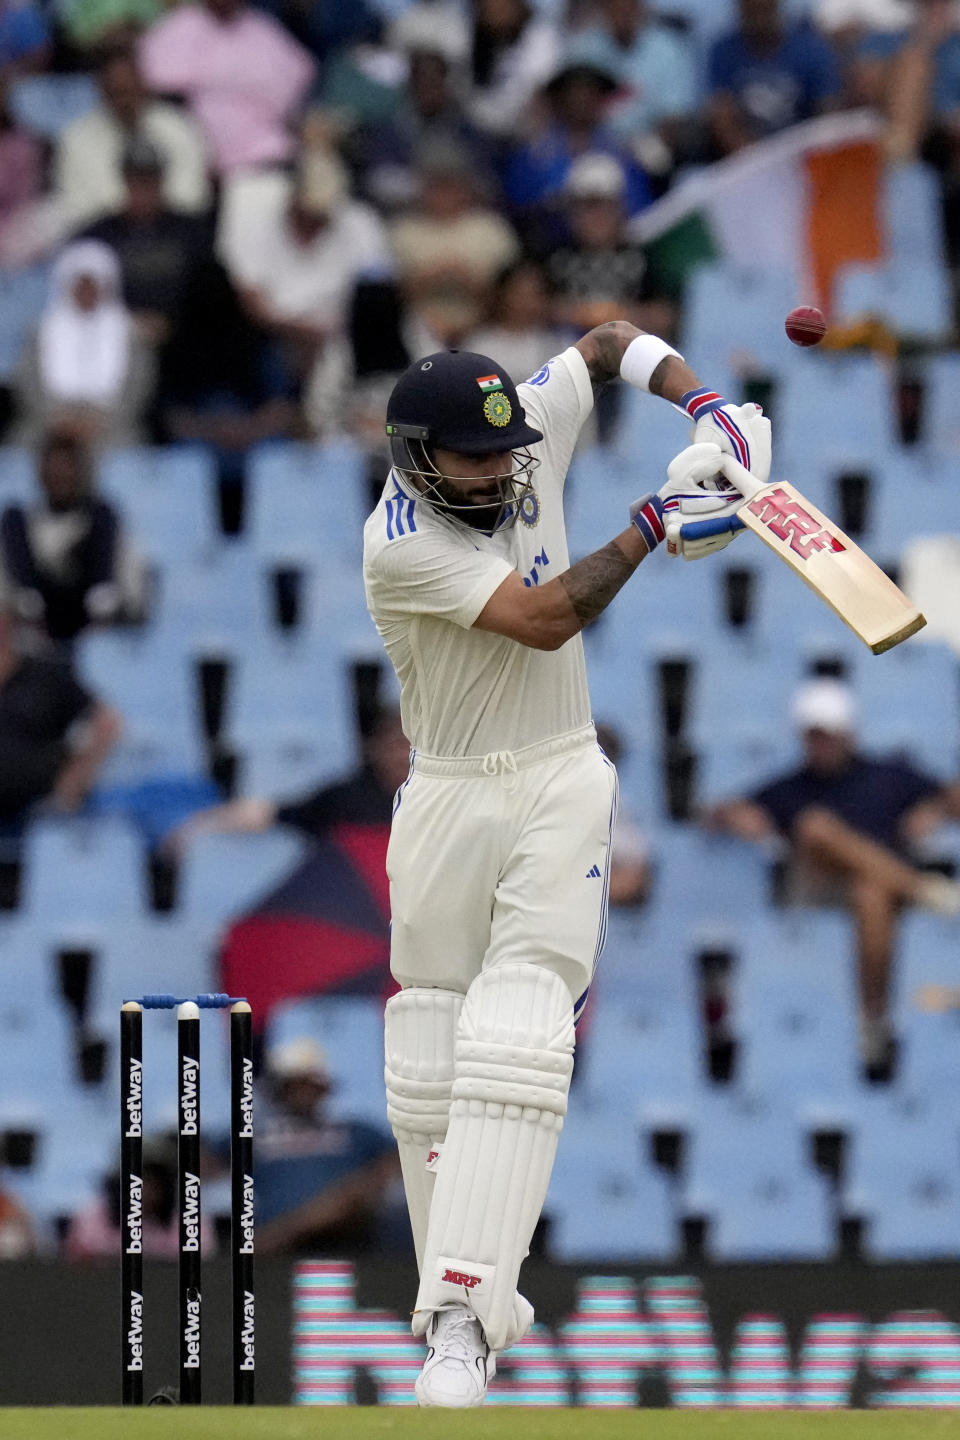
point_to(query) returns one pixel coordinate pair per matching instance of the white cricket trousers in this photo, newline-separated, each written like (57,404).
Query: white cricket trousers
(500,858)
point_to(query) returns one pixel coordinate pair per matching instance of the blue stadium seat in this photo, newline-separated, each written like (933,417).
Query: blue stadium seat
(36,1038)
(913,297)
(77,1150)
(83,870)
(749,1173)
(903,1176)
(223,875)
(335,621)
(940,423)
(912,703)
(18,479)
(217,605)
(735,311)
(23,293)
(794,1012)
(285,694)
(912,497)
(837,409)
(601,1171)
(307,502)
(286,770)
(45,104)
(723,882)
(150,680)
(166,497)
(926,1003)
(350,1031)
(643,1049)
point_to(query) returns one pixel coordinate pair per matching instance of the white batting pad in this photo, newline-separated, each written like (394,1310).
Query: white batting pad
(418,1035)
(514,1059)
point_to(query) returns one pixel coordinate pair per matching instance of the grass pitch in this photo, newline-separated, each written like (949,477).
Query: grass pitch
(497,1423)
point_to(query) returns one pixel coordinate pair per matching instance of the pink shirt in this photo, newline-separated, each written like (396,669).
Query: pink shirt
(242,77)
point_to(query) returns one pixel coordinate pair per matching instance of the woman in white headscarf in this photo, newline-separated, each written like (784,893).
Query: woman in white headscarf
(85,369)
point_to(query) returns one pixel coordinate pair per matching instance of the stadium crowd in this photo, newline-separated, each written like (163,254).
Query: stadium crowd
(225,227)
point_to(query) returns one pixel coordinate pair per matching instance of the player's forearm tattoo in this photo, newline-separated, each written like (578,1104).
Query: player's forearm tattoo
(602,348)
(593,581)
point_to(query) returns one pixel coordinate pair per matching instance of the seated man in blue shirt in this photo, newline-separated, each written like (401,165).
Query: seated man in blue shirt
(766,76)
(320,1183)
(849,825)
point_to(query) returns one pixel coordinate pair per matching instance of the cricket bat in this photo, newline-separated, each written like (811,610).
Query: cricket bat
(825,558)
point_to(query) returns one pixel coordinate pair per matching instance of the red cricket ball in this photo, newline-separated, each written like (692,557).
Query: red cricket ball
(805,325)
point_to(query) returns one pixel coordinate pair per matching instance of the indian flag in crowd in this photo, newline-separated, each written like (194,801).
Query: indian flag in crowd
(489,382)
(808,199)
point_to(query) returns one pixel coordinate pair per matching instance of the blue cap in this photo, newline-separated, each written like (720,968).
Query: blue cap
(461,401)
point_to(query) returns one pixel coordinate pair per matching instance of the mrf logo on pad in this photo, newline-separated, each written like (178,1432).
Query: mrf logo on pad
(788,520)
(459,1277)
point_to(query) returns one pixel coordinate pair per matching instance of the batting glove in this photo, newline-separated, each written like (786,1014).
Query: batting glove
(742,431)
(694,491)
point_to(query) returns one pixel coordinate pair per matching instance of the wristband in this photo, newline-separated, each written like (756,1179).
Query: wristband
(641,358)
(700,403)
(647,515)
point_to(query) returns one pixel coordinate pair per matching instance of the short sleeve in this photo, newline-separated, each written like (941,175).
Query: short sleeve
(557,400)
(427,573)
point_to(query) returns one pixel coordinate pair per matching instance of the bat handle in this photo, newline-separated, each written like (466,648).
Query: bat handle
(740,477)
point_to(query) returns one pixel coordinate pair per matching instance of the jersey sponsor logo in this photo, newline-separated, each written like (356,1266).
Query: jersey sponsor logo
(540,562)
(401,519)
(459,1277)
(541,377)
(788,520)
(497,409)
(530,509)
(594,873)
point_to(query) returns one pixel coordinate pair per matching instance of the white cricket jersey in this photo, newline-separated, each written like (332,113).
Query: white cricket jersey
(467,691)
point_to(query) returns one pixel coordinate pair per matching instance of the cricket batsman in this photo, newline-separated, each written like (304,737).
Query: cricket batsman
(500,848)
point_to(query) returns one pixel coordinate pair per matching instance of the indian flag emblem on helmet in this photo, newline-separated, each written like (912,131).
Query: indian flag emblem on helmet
(497,409)
(489,382)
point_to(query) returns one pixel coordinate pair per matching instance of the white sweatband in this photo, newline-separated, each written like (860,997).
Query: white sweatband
(641,358)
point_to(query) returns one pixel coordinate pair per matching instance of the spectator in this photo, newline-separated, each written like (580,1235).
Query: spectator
(20,169)
(629,851)
(65,561)
(363,798)
(24,39)
(320,1182)
(513,51)
(537,172)
(85,369)
(158,248)
(520,329)
(653,66)
(96,25)
(450,246)
(94,1230)
(88,174)
(17,1237)
(387,154)
(296,254)
(847,824)
(327,27)
(242,74)
(767,75)
(600,274)
(54,735)
(866,35)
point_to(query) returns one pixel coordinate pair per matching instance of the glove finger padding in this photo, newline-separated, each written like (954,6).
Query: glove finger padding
(742,431)
(689,547)
(697,465)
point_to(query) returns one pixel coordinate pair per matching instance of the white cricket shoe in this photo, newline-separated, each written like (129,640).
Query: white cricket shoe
(459,1363)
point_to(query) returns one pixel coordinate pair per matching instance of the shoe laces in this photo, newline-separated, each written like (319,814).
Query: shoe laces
(457,1334)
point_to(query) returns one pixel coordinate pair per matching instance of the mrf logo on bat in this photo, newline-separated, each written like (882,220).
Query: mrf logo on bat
(789,521)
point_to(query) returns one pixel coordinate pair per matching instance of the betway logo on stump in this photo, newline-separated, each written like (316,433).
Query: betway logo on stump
(246,1102)
(247,1333)
(135,1333)
(134,1102)
(135,1216)
(191,1213)
(191,1333)
(189,1088)
(246,1218)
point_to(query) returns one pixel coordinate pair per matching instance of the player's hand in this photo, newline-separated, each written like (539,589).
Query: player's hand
(742,431)
(695,488)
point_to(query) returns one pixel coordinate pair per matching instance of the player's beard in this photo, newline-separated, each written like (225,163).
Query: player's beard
(479,514)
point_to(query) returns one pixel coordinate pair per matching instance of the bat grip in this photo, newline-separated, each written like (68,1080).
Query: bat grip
(703,529)
(740,477)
